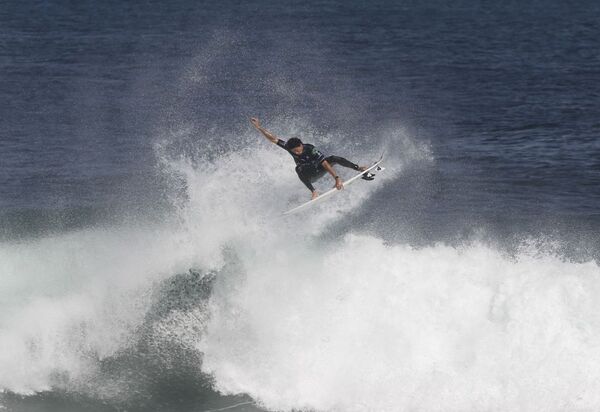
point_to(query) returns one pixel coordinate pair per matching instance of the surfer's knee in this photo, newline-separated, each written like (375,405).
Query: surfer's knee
(332,159)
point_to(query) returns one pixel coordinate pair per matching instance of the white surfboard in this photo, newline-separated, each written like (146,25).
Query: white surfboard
(374,166)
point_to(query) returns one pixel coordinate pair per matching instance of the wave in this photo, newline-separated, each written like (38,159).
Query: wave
(361,325)
(277,309)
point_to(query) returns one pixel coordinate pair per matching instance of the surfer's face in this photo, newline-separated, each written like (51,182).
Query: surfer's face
(298,150)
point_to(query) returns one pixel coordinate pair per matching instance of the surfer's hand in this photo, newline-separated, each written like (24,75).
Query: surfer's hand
(339,185)
(314,195)
(255,122)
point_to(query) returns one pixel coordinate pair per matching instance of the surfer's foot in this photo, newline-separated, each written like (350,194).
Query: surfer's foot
(314,195)
(362,168)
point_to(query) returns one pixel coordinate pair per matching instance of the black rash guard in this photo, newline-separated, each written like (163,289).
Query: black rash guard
(310,154)
(309,164)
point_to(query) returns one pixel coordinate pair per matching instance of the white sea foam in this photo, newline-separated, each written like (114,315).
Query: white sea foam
(69,300)
(344,324)
(362,325)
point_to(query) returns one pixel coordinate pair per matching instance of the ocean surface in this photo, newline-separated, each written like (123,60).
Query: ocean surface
(144,261)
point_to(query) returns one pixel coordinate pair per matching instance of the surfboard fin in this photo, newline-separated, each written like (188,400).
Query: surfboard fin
(368,176)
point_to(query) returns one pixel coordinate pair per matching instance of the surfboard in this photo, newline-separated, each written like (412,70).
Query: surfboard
(374,166)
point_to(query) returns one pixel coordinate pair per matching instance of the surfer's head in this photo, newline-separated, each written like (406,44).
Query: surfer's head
(295,145)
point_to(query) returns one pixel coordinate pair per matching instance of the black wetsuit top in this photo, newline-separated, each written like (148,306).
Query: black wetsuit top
(310,155)
(309,164)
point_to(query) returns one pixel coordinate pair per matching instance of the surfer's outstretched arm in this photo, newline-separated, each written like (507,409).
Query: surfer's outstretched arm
(270,136)
(338,181)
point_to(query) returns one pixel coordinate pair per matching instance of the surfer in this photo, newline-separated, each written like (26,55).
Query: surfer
(311,164)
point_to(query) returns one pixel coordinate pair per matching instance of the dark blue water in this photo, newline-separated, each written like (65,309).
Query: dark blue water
(503,96)
(505,93)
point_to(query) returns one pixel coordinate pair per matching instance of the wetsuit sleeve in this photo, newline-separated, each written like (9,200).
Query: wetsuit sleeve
(281,143)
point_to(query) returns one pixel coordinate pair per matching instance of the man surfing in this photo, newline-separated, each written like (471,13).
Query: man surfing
(311,164)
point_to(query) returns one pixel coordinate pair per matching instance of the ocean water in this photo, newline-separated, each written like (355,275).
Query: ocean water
(144,261)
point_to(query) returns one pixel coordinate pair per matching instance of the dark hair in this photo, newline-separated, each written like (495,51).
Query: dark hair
(293,142)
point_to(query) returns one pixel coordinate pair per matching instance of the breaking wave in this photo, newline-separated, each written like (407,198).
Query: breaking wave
(276,309)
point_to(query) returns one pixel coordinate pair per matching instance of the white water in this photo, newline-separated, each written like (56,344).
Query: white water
(368,326)
(347,324)
(69,300)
